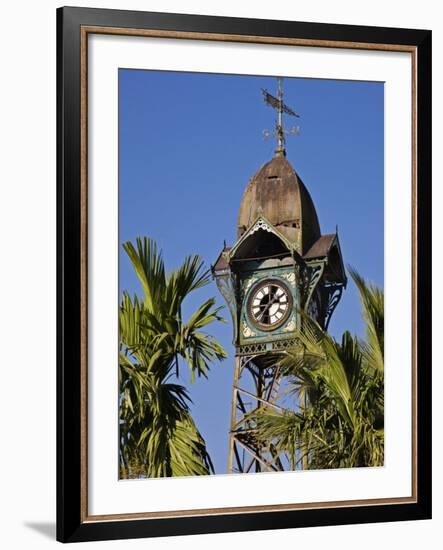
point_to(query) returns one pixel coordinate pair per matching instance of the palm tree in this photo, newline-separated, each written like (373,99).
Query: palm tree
(158,436)
(338,419)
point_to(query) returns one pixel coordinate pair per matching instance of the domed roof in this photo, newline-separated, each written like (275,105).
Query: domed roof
(277,193)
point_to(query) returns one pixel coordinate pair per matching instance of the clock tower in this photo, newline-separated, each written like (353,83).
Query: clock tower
(280,266)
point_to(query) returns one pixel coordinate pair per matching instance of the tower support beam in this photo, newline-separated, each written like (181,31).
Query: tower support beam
(246,451)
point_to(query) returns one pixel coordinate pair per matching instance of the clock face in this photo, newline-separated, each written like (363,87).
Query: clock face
(269,304)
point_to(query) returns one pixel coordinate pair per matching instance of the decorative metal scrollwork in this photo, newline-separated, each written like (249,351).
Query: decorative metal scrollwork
(335,293)
(261,224)
(251,349)
(291,326)
(226,287)
(248,283)
(285,344)
(315,274)
(247,331)
(290,277)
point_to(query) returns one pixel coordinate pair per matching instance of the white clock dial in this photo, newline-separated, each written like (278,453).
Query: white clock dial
(269,304)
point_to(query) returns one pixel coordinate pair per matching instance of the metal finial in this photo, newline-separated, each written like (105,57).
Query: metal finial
(280,135)
(279,132)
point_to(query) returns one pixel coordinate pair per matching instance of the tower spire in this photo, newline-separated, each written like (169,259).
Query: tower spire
(279,132)
(280,135)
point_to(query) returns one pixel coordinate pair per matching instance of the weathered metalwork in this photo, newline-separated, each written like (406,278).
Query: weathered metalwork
(334,292)
(279,248)
(280,132)
(226,287)
(269,305)
(277,193)
(246,452)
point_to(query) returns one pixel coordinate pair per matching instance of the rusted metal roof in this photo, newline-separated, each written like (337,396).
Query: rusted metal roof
(278,193)
(222,263)
(320,248)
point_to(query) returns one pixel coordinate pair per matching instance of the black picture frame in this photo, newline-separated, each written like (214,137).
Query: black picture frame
(71,523)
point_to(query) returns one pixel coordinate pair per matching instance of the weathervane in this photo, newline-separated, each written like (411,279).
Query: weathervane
(279,132)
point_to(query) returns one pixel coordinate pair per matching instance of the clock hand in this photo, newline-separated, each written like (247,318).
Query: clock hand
(267,306)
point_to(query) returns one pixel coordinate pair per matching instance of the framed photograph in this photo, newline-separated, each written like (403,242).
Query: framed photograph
(244,274)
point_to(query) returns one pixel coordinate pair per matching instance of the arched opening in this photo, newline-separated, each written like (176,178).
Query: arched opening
(260,245)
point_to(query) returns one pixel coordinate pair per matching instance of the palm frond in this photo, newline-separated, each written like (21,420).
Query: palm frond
(149,267)
(372,301)
(158,436)
(336,420)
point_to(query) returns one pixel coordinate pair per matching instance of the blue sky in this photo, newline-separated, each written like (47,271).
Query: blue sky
(189,143)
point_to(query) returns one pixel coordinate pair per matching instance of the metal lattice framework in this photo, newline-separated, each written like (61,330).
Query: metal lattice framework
(257,384)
